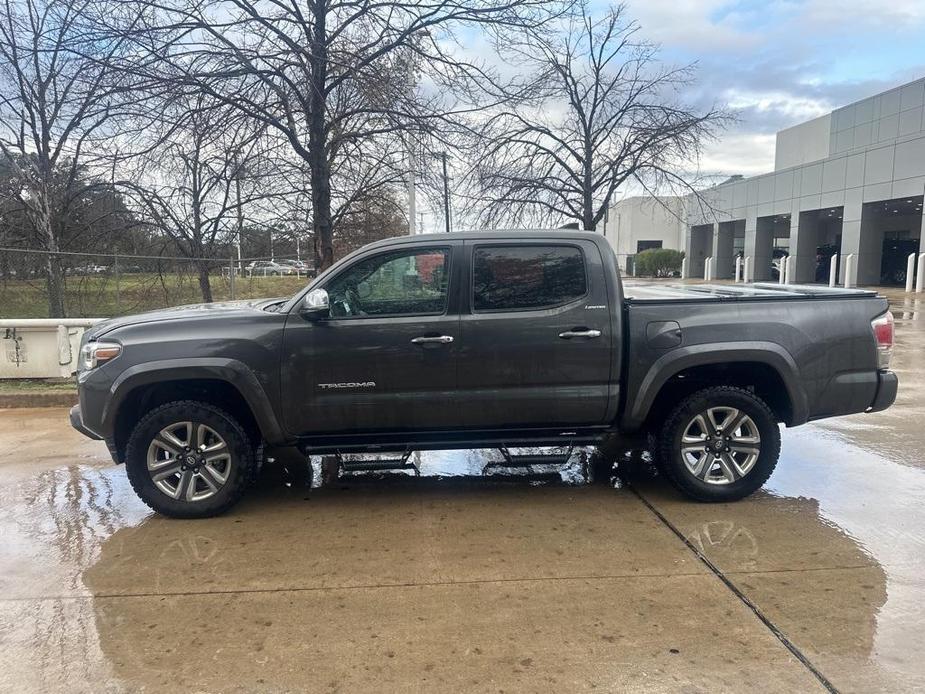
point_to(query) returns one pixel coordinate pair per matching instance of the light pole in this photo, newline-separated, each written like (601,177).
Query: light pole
(412,202)
(446,194)
(240,212)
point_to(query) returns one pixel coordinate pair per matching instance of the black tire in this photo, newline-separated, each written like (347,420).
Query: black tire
(243,459)
(672,461)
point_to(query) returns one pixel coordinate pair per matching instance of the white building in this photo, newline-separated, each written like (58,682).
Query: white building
(849,182)
(639,223)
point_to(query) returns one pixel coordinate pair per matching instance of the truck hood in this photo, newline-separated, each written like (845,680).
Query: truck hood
(190,311)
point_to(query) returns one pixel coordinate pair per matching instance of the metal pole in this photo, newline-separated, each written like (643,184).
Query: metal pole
(237,186)
(446,194)
(231,277)
(412,202)
(115,269)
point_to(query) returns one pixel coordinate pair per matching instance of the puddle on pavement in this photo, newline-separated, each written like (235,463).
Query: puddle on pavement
(62,537)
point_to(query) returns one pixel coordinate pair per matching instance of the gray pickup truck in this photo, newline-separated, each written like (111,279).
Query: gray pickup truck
(479,340)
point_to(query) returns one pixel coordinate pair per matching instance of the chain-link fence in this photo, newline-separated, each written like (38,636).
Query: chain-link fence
(95,285)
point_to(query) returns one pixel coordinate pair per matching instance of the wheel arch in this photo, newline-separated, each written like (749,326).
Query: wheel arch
(225,383)
(767,370)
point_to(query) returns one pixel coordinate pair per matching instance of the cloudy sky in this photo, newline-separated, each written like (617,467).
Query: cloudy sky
(781,62)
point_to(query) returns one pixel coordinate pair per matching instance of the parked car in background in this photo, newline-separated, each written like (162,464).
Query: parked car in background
(300,266)
(268,268)
(88,270)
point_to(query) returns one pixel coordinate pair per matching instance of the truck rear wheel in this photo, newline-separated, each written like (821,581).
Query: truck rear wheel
(719,444)
(189,459)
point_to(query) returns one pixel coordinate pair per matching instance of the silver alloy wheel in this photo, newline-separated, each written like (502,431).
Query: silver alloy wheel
(189,461)
(720,445)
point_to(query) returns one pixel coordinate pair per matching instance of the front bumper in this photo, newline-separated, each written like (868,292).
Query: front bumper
(77,423)
(887,385)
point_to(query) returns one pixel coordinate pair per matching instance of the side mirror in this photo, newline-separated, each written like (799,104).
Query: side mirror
(315,305)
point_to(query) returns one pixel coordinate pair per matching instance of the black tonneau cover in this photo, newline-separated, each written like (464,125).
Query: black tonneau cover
(640,292)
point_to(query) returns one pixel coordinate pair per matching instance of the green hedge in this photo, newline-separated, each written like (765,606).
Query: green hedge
(658,262)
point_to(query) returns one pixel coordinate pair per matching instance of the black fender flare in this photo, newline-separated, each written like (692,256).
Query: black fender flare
(231,371)
(671,364)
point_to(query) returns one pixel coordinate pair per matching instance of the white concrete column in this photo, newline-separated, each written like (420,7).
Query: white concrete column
(851,241)
(833,270)
(804,237)
(751,239)
(723,244)
(738,269)
(789,269)
(910,271)
(920,275)
(684,268)
(747,270)
(708,268)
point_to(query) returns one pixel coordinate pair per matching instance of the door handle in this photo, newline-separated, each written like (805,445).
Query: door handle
(441,339)
(569,334)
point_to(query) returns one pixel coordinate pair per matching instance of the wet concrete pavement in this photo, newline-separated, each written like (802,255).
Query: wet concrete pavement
(424,585)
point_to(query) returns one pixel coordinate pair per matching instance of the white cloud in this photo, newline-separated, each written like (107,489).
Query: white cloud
(690,24)
(748,154)
(895,14)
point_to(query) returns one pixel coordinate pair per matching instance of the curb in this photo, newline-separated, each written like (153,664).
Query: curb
(21,400)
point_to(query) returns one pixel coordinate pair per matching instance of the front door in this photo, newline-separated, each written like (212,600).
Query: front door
(535,343)
(385,359)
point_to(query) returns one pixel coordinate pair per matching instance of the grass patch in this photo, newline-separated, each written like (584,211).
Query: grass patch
(104,295)
(36,385)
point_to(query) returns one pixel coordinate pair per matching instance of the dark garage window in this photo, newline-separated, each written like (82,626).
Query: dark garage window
(517,278)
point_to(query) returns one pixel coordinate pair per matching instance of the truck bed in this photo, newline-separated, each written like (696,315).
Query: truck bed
(818,338)
(641,292)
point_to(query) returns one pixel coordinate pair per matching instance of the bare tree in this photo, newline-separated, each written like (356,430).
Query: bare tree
(335,79)
(205,166)
(604,113)
(57,103)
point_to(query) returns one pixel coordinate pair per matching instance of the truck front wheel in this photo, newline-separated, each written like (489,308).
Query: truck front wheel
(189,459)
(719,444)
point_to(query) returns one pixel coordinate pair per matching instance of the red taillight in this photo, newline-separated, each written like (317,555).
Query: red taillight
(883,333)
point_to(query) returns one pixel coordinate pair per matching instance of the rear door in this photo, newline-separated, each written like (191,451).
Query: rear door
(536,335)
(385,359)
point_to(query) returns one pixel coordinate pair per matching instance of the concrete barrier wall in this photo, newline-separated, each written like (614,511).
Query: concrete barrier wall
(41,348)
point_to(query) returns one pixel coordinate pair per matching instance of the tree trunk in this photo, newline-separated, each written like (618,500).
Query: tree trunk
(204,285)
(317,144)
(54,276)
(54,284)
(587,198)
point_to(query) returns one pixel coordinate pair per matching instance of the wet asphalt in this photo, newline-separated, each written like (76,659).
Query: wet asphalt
(507,584)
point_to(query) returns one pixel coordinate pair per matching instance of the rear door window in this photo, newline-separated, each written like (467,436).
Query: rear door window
(523,278)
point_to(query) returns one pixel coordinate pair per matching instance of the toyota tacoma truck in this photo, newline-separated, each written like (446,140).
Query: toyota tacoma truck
(488,339)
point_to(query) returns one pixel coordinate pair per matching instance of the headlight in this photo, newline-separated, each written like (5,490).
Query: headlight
(95,353)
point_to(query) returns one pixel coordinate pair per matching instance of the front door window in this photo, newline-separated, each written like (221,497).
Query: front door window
(400,283)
